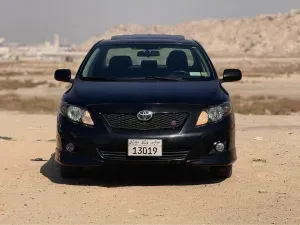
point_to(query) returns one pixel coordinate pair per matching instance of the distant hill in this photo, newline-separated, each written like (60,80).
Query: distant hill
(264,35)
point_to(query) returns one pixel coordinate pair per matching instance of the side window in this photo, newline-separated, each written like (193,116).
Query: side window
(189,57)
(203,60)
(90,63)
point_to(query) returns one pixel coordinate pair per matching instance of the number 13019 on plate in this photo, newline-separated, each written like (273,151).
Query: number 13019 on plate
(145,147)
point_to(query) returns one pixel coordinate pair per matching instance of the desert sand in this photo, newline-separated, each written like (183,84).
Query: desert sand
(265,187)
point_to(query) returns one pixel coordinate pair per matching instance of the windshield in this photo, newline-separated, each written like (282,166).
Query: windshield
(144,61)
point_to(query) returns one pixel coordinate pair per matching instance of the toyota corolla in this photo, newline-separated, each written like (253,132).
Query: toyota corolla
(146,99)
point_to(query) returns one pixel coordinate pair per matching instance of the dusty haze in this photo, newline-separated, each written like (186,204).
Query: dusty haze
(34,21)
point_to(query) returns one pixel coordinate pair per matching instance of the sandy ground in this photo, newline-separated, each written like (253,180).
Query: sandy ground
(249,86)
(287,87)
(261,76)
(265,187)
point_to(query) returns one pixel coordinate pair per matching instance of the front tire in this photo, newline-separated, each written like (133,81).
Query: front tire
(221,171)
(70,172)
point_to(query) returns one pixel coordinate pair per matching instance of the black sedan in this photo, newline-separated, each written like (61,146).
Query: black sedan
(146,99)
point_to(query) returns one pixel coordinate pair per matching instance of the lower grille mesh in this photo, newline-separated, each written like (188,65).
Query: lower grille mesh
(174,155)
(158,121)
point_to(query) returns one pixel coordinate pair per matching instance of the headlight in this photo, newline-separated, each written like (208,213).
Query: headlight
(214,114)
(76,113)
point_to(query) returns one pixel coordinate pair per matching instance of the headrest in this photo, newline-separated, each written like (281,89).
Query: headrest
(120,62)
(149,64)
(177,60)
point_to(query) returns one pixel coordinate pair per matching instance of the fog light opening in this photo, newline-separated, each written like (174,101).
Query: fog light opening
(70,147)
(220,147)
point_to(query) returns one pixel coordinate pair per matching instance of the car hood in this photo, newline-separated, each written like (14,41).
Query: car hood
(186,92)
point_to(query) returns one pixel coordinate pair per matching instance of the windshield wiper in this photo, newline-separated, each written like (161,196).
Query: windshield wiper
(180,71)
(100,78)
(164,78)
(131,78)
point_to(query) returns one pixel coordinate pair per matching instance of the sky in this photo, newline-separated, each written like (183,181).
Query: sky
(33,21)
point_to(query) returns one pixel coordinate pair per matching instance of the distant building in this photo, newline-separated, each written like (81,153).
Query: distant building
(2,40)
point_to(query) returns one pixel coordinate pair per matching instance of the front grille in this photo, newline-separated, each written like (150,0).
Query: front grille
(167,155)
(157,122)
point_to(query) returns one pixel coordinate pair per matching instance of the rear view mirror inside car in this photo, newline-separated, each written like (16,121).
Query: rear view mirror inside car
(147,53)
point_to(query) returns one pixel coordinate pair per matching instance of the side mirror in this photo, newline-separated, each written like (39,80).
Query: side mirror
(63,75)
(230,75)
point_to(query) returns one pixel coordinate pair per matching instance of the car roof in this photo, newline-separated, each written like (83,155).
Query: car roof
(142,38)
(148,36)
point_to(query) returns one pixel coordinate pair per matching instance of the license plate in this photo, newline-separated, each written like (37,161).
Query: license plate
(145,147)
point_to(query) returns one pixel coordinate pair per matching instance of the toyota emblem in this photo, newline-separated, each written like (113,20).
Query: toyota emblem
(144,115)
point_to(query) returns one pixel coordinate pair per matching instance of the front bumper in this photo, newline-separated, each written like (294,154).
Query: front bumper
(96,147)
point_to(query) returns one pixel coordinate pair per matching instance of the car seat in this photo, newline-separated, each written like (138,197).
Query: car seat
(177,60)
